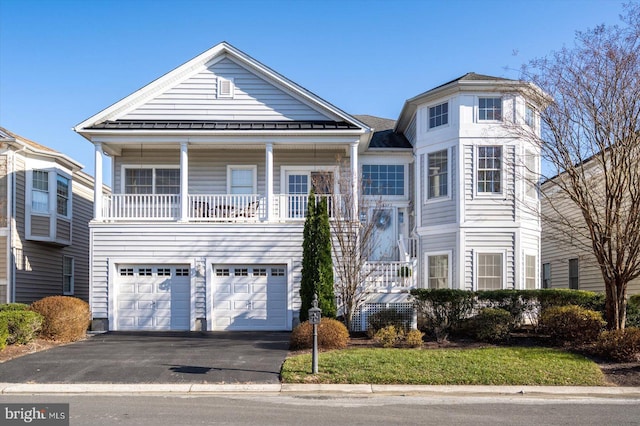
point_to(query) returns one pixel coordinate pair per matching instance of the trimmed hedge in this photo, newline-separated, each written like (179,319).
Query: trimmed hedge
(23,326)
(13,307)
(573,325)
(619,345)
(441,310)
(66,319)
(491,325)
(4,332)
(332,334)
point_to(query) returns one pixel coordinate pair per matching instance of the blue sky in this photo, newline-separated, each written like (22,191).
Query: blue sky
(61,61)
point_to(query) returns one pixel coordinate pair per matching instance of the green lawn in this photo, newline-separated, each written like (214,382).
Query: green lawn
(486,366)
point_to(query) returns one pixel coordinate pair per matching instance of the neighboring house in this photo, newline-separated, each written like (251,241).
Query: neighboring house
(46,203)
(212,167)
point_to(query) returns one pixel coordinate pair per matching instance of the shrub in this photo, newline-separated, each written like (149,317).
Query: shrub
(13,307)
(441,310)
(386,317)
(619,345)
(633,314)
(571,324)
(521,304)
(413,338)
(389,336)
(549,298)
(23,326)
(66,319)
(4,332)
(491,325)
(332,334)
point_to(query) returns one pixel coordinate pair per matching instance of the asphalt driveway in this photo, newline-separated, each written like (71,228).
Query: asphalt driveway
(158,357)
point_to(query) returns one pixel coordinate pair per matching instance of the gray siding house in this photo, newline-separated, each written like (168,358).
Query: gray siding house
(212,166)
(46,203)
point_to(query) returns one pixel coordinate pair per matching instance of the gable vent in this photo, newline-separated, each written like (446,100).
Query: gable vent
(225,87)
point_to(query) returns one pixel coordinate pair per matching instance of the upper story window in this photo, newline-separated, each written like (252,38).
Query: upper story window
(383,179)
(152,181)
(438,171)
(438,115)
(40,191)
(242,179)
(529,116)
(62,196)
(489,109)
(489,169)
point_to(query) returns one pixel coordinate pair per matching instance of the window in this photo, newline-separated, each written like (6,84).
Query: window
(438,174)
(490,271)
(383,179)
(222,272)
(145,272)
(225,88)
(126,272)
(530,272)
(573,274)
(490,109)
(277,272)
(183,272)
(152,181)
(438,271)
(489,169)
(242,179)
(40,191)
(530,172)
(241,272)
(67,275)
(164,272)
(62,194)
(546,275)
(438,115)
(259,272)
(529,116)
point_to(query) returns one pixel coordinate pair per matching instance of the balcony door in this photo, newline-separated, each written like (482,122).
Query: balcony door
(299,183)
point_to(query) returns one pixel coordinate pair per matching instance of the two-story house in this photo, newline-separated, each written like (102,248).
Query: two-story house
(212,166)
(46,203)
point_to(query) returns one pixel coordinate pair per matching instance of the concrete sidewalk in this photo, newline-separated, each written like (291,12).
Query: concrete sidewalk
(358,389)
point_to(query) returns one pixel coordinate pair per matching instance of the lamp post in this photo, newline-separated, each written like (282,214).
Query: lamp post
(314,319)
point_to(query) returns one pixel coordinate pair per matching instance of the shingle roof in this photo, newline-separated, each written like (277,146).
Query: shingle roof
(223,125)
(384,136)
(6,134)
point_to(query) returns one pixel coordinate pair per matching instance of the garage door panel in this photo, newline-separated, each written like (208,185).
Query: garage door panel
(153,297)
(250,298)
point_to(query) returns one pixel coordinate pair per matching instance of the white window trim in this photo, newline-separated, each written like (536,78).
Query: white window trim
(428,113)
(285,170)
(253,168)
(124,167)
(447,197)
(73,275)
(69,214)
(405,196)
(232,88)
(477,108)
(449,254)
(536,275)
(479,251)
(503,179)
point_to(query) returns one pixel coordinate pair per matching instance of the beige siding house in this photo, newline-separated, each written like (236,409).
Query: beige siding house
(46,203)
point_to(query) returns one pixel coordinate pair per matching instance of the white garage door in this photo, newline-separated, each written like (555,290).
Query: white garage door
(153,297)
(249,297)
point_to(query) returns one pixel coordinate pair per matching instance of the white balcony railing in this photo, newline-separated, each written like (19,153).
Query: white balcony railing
(208,207)
(390,277)
(141,207)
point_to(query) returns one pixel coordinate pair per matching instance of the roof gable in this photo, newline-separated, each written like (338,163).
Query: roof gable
(189,93)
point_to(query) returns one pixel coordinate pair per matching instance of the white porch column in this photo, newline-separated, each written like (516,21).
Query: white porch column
(184,182)
(268,180)
(354,178)
(97,183)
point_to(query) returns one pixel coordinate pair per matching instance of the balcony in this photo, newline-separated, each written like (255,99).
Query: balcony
(208,207)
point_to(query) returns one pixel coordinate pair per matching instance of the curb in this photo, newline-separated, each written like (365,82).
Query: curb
(293,388)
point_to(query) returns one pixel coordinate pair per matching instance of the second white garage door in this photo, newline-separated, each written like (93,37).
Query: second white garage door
(249,297)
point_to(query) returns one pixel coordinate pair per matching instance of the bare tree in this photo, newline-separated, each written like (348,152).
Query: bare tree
(590,146)
(353,240)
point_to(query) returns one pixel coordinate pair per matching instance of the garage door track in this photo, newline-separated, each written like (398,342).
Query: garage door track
(156,357)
